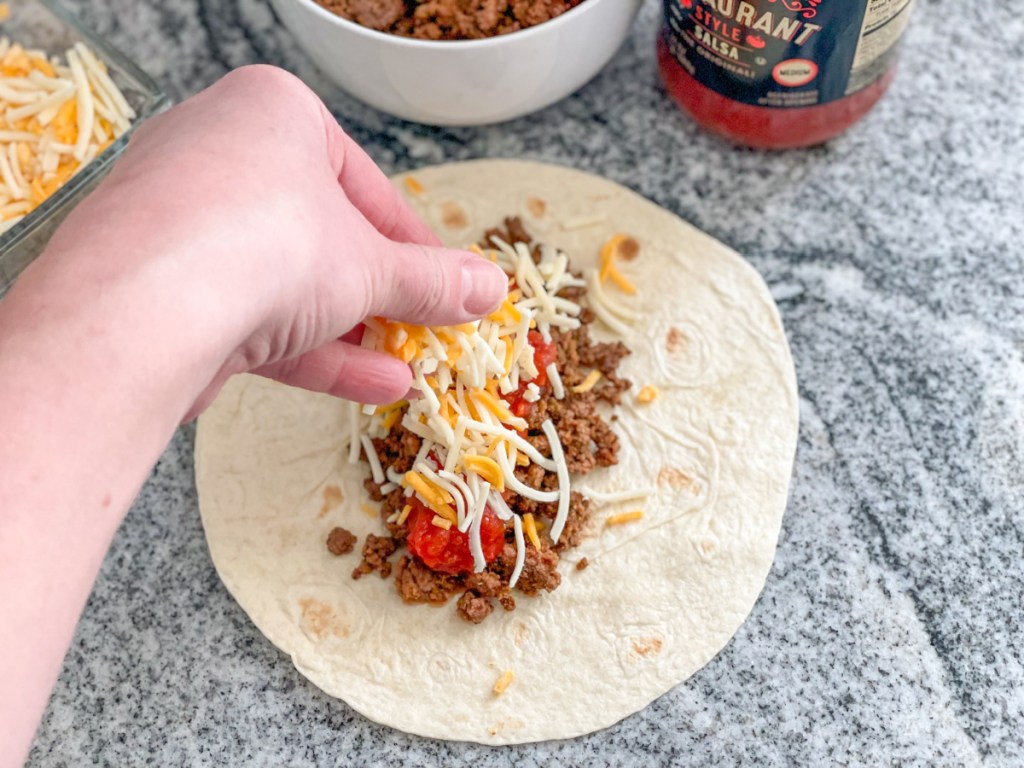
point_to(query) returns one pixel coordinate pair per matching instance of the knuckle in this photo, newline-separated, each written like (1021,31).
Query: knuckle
(428,286)
(271,84)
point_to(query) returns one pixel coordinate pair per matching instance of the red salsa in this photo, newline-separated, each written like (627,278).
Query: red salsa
(776,74)
(447,550)
(544,353)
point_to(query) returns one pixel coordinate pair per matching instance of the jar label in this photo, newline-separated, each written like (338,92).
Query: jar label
(785,53)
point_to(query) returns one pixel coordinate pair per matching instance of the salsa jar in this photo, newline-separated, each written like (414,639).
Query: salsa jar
(776,74)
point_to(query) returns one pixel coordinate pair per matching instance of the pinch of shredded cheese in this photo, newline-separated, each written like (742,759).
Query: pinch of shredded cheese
(55,117)
(504,682)
(647,394)
(625,517)
(472,442)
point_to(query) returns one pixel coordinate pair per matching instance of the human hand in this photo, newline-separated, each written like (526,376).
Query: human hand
(271,235)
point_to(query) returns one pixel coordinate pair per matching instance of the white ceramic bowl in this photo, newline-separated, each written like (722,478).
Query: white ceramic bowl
(470,82)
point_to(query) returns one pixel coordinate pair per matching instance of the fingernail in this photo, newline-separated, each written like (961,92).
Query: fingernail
(484,286)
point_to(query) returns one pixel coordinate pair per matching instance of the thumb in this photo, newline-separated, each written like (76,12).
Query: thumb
(426,285)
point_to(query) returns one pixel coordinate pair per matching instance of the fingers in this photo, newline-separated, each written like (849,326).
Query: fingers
(344,370)
(371,191)
(433,286)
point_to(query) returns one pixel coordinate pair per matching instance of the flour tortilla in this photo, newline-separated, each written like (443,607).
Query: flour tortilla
(660,596)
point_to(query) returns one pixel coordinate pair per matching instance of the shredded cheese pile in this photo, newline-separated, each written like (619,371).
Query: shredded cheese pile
(54,118)
(463,374)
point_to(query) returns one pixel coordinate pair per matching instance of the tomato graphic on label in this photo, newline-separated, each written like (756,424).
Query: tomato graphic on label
(755,41)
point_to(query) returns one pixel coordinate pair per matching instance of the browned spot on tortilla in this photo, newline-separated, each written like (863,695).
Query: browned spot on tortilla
(320,620)
(453,217)
(647,646)
(629,249)
(332,499)
(369,510)
(674,477)
(707,547)
(675,340)
(536,207)
(521,632)
(505,725)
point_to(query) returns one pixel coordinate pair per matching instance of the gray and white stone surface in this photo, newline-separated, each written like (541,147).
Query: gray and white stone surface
(890,629)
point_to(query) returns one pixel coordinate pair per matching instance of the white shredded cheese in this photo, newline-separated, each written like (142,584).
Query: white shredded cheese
(500,507)
(517,527)
(556,381)
(520,487)
(602,497)
(354,442)
(371,456)
(563,479)
(605,315)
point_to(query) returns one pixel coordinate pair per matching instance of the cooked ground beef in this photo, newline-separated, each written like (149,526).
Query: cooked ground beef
(540,572)
(376,551)
(397,452)
(587,440)
(511,231)
(582,564)
(341,541)
(489,584)
(474,608)
(417,583)
(449,19)
(475,605)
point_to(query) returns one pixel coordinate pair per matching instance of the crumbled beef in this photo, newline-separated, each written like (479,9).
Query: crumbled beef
(485,584)
(489,584)
(375,14)
(372,490)
(417,583)
(449,19)
(577,355)
(540,572)
(512,231)
(582,564)
(473,608)
(587,440)
(376,551)
(395,452)
(575,523)
(398,450)
(340,541)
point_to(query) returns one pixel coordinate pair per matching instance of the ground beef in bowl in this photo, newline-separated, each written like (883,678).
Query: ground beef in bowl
(449,19)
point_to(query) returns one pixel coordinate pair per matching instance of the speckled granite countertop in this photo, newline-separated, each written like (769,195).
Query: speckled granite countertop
(890,630)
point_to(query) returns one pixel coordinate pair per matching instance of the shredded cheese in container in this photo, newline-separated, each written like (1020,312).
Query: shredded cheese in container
(55,117)
(471,438)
